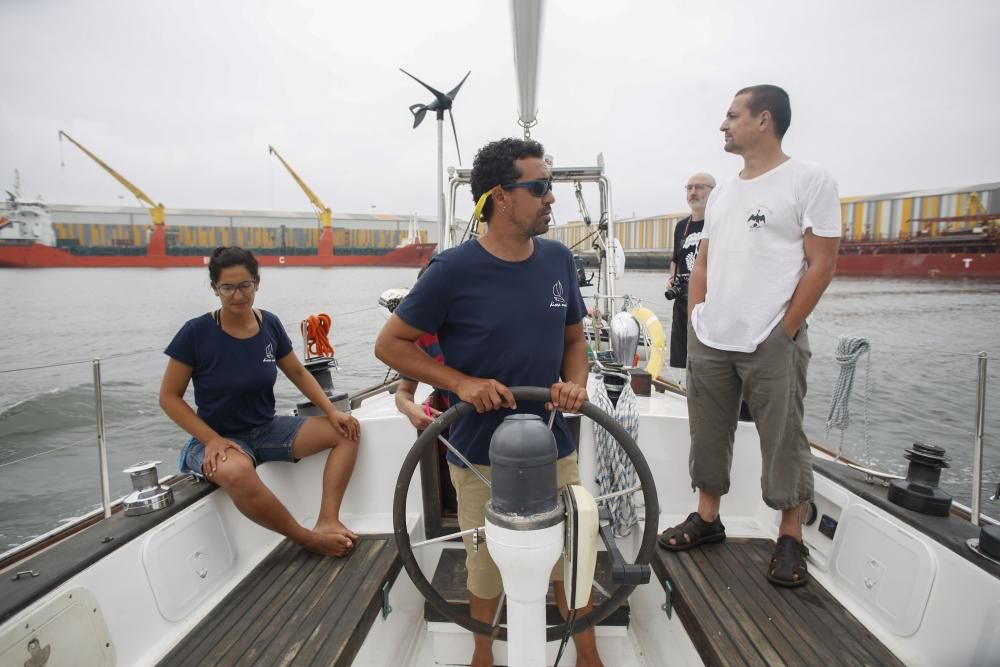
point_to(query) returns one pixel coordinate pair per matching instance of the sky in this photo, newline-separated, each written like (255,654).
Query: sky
(184,97)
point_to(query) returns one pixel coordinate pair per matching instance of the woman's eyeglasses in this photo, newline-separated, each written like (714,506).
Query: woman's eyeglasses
(247,287)
(537,188)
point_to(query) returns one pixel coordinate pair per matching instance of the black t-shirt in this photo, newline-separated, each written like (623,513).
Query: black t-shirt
(687,236)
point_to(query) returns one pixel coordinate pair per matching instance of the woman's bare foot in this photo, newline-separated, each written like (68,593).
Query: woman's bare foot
(328,544)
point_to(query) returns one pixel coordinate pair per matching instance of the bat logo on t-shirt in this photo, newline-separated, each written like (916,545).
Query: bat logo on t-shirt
(757,217)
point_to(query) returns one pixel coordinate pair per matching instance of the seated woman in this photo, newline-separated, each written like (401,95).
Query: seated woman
(233,355)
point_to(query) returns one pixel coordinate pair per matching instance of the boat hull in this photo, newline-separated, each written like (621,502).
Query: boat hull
(921,265)
(41,256)
(979,265)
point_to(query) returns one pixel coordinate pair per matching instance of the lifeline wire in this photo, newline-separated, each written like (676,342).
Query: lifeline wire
(81,361)
(815,329)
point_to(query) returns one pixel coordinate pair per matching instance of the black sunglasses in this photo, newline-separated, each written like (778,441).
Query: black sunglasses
(537,188)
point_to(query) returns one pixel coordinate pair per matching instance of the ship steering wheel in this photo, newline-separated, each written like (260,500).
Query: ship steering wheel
(429,438)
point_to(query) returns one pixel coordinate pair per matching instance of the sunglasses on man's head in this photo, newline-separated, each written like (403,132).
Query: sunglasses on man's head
(537,188)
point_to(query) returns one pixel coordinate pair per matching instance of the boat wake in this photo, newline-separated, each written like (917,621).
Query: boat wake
(13,407)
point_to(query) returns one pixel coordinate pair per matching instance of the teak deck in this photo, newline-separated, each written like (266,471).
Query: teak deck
(736,617)
(450,578)
(296,607)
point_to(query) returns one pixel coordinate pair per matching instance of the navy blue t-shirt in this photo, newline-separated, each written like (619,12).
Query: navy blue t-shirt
(501,320)
(233,378)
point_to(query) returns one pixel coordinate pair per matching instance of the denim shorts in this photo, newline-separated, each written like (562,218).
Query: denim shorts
(271,441)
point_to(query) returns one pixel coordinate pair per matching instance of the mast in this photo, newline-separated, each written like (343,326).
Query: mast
(526,28)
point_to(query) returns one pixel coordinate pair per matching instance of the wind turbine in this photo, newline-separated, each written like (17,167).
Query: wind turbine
(442,102)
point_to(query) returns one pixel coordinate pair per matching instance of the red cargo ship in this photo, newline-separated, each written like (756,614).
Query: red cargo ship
(27,240)
(31,254)
(973,252)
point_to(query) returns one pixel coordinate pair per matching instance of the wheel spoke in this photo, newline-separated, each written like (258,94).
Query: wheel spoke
(496,616)
(609,496)
(468,464)
(445,538)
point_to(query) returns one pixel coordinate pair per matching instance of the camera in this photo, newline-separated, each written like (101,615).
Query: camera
(679,290)
(581,272)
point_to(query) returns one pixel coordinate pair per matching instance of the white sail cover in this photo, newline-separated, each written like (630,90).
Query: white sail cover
(526,26)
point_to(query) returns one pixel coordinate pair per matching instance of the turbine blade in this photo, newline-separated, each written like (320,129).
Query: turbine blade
(437,93)
(454,91)
(418,111)
(451,116)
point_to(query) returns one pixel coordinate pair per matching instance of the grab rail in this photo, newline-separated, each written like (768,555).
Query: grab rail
(102,443)
(977,448)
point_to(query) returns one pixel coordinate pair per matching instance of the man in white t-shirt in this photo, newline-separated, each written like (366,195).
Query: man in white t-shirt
(768,252)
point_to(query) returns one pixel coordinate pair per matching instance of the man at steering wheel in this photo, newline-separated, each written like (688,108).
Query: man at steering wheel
(508,312)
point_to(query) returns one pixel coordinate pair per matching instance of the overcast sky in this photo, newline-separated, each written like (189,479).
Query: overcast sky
(183,97)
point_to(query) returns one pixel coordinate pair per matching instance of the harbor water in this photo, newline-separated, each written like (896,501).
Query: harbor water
(925,338)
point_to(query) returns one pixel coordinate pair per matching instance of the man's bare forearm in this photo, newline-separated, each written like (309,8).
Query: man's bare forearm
(404,356)
(821,258)
(575,366)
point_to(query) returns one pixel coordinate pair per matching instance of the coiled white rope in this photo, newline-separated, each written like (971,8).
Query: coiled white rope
(849,352)
(615,472)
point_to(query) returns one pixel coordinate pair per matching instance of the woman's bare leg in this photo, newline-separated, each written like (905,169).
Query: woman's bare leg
(237,476)
(316,435)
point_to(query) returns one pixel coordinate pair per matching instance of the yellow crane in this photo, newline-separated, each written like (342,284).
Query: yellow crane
(325,216)
(156,211)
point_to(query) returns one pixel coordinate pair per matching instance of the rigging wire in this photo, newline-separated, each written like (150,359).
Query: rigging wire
(82,361)
(119,429)
(813,328)
(121,355)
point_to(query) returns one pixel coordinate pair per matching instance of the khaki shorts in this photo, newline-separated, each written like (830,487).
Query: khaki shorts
(772,380)
(484,577)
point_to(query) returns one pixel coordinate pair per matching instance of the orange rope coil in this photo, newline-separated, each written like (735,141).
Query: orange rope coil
(317,335)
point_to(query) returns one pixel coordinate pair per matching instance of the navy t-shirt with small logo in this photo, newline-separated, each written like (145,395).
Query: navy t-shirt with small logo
(233,378)
(501,320)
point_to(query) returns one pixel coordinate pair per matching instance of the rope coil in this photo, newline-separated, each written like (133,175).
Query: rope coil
(615,471)
(849,352)
(317,330)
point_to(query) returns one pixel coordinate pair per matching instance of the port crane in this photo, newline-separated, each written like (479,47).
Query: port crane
(322,210)
(157,242)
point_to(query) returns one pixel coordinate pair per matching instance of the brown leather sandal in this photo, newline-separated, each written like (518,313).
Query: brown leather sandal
(697,530)
(788,565)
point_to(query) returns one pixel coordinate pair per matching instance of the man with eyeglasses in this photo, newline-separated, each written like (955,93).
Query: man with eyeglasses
(508,312)
(687,234)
